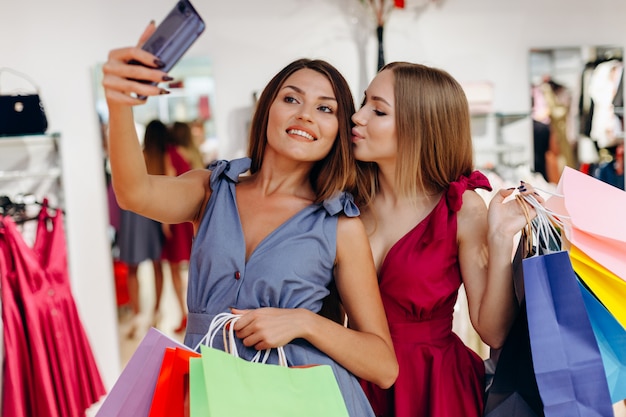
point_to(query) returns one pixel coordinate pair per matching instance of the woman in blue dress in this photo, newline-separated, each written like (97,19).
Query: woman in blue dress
(273,232)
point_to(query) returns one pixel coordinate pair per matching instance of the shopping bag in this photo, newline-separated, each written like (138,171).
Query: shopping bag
(172,387)
(566,357)
(611,338)
(131,395)
(235,387)
(238,388)
(593,213)
(605,285)
(198,406)
(513,391)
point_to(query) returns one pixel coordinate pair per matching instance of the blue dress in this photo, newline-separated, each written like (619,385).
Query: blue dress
(291,268)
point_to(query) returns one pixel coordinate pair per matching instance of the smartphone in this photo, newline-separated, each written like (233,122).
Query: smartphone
(174,35)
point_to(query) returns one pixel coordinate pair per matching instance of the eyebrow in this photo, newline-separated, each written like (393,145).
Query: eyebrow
(301,91)
(377,98)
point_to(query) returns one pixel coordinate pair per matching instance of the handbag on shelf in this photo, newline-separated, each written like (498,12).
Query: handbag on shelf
(223,384)
(21,113)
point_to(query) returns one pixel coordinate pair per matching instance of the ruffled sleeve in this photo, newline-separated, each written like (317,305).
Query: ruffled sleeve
(342,201)
(228,169)
(455,192)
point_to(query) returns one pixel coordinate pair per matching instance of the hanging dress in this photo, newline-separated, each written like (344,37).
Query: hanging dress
(64,379)
(291,268)
(419,282)
(80,374)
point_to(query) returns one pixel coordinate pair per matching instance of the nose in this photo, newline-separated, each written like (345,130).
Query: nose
(305,114)
(358,118)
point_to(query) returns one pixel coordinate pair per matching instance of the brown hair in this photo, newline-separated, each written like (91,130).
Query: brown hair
(433,130)
(156,138)
(336,171)
(183,137)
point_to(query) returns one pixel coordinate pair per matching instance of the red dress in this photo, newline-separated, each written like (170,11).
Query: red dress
(419,282)
(55,373)
(177,247)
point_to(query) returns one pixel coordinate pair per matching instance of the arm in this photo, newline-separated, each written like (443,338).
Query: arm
(365,349)
(489,236)
(165,199)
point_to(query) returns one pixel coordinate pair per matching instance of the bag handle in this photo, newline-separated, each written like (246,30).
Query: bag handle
(20,75)
(546,226)
(226,322)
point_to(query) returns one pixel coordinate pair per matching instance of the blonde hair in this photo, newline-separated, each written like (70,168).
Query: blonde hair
(433,131)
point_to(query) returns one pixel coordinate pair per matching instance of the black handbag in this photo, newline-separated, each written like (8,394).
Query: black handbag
(21,113)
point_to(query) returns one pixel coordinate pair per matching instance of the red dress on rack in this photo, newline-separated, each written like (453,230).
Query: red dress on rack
(28,386)
(66,380)
(419,282)
(79,372)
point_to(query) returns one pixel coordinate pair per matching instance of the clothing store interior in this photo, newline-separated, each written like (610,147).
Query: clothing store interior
(543,82)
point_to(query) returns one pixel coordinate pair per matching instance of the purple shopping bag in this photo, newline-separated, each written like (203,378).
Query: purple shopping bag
(566,358)
(131,395)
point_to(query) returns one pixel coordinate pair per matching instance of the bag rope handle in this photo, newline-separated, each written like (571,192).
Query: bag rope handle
(225,322)
(20,75)
(546,226)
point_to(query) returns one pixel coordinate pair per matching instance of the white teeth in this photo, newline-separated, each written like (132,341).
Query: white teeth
(300,133)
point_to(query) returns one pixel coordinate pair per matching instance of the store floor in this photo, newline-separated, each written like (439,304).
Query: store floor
(167,319)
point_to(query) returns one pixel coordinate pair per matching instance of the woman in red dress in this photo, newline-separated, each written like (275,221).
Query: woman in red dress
(430,232)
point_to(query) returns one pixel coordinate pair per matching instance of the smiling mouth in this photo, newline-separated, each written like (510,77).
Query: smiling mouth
(301,133)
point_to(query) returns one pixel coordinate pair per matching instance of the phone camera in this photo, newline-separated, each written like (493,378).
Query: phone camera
(181,6)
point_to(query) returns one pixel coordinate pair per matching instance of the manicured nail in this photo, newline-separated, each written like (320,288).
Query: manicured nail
(164,91)
(512,188)
(159,63)
(167,78)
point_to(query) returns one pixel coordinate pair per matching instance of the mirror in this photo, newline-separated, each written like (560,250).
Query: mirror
(577,111)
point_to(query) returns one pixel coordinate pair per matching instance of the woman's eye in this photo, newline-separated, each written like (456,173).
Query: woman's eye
(325,109)
(379,113)
(289,99)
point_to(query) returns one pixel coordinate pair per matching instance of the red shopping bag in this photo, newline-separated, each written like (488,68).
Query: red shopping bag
(171,395)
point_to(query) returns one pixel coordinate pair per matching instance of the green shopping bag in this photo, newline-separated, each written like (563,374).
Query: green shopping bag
(234,387)
(197,389)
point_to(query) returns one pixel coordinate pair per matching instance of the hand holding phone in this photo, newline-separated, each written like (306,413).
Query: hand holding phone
(174,36)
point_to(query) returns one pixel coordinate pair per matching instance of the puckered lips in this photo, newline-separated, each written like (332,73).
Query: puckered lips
(356,136)
(302,133)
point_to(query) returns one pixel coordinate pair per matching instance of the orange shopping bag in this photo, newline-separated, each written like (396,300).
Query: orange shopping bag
(171,395)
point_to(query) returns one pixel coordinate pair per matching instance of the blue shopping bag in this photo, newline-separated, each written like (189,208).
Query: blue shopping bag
(566,357)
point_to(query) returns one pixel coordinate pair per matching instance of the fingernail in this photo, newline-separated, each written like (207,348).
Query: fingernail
(164,91)
(159,63)
(167,78)
(512,188)
(522,188)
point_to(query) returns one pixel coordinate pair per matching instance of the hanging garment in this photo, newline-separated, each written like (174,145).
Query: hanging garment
(65,378)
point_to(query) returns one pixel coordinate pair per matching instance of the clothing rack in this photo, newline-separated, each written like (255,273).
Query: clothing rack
(31,165)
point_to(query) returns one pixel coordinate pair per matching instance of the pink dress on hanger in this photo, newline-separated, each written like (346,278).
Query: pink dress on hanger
(419,282)
(64,379)
(80,374)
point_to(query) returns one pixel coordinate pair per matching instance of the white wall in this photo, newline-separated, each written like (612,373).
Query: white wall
(58,43)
